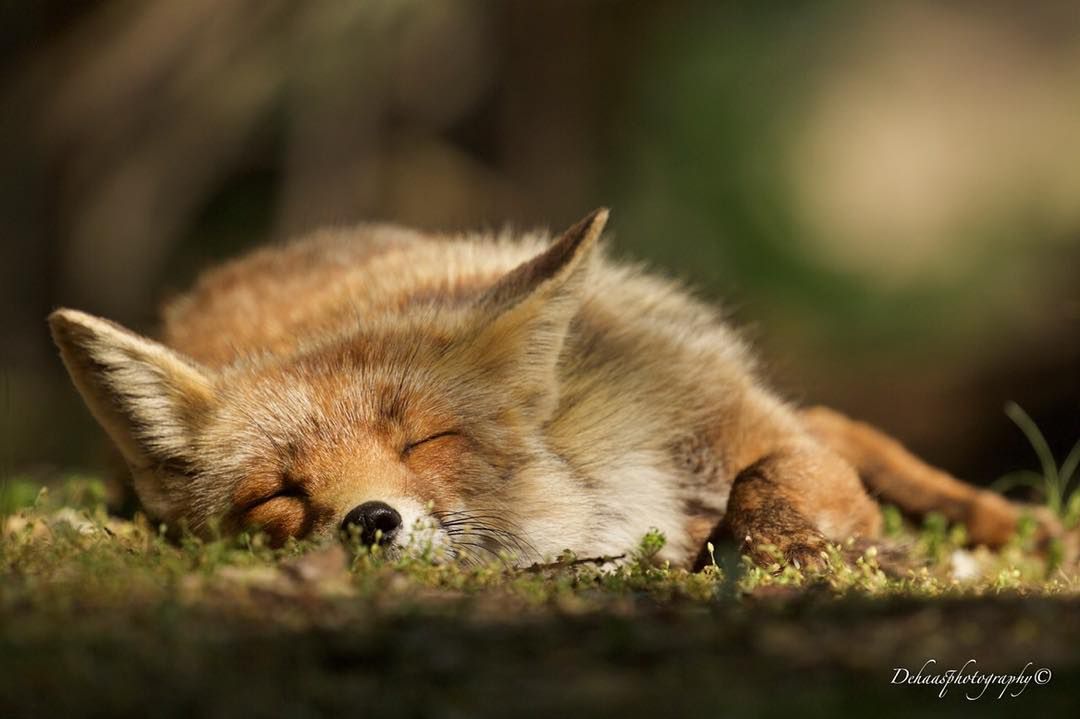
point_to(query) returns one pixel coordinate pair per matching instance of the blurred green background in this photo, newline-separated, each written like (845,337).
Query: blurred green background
(885,195)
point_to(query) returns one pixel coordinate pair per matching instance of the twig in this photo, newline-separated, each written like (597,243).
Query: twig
(573,563)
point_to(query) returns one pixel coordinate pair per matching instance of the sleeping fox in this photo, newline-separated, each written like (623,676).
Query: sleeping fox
(486,396)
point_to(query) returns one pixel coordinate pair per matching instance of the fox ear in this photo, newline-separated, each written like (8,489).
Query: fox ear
(554,272)
(528,313)
(146,397)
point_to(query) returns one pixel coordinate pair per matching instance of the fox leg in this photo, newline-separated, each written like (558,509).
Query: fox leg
(796,500)
(895,475)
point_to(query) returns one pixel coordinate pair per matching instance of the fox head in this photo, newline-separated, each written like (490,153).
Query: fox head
(425,425)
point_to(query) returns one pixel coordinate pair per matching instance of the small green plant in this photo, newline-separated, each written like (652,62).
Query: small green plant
(16,494)
(651,544)
(892,520)
(1053,483)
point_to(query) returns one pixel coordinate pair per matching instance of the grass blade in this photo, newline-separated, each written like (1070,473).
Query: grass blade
(1019,478)
(1042,450)
(1069,467)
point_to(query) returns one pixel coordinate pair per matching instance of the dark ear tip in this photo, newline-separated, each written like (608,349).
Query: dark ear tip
(590,226)
(584,232)
(600,214)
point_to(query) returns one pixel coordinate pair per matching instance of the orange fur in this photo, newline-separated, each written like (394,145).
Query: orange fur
(504,394)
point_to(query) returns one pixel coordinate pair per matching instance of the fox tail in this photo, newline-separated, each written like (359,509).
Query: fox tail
(894,475)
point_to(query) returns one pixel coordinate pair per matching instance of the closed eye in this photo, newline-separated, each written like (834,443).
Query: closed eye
(292,490)
(289,490)
(413,445)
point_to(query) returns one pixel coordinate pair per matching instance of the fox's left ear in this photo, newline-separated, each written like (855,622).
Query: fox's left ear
(527,315)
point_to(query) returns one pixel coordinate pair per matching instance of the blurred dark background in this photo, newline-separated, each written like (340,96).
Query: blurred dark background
(886,195)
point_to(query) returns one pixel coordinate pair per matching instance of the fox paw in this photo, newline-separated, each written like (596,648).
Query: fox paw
(807,553)
(807,556)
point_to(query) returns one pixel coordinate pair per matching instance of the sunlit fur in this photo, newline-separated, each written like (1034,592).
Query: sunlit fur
(567,401)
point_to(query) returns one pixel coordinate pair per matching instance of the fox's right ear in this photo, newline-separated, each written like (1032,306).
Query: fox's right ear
(148,398)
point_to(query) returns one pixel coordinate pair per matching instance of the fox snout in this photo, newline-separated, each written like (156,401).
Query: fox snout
(397,524)
(372,523)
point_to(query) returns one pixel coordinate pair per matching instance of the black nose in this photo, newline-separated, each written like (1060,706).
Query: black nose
(375,522)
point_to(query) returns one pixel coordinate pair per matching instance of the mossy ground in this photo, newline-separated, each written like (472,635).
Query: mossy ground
(102,617)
